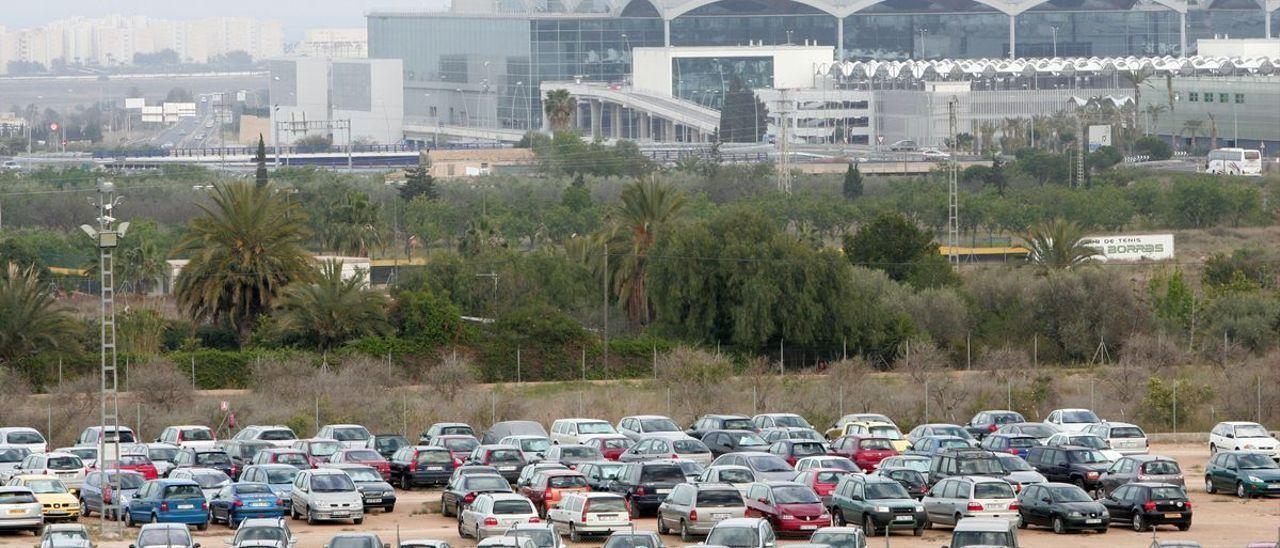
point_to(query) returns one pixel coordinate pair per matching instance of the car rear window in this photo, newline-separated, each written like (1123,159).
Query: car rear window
(460,444)
(434,457)
(1006,418)
(580,452)
(459,430)
(212,458)
(183,492)
(794,494)
(1168,493)
(128,481)
(738,424)
(277,435)
(512,507)
(17,498)
(209,480)
(364,454)
(487,483)
(595,428)
(690,446)
(134,460)
(1161,467)
(1079,417)
(350,434)
(64,463)
(662,474)
(992,490)
(567,482)
(1023,443)
(719,497)
(980,466)
(165,454)
(197,434)
(736,475)
(278,476)
(164,537)
(14,454)
(620,443)
(125,436)
(875,444)
(807,449)
(292,458)
(25,437)
(830,477)
(253,489)
(606,505)
(505,455)
(1127,432)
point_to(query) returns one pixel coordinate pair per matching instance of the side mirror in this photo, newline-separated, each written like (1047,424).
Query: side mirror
(1047,500)
(1231,436)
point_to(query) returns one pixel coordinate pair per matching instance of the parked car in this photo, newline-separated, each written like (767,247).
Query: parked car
(292,457)
(986,422)
(722,442)
(209,479)
(1072,420)
(826,461)
(366,457)
(690,468)
(65,535)
(1145,505)
(937,429)
(165,535)
(878,504)
(161,455)
(535,447)
(541,533)
(547,488)
(10,457)
(420,466)
(1141,468)
(1081,466)
(263,533)
(511,428)
(839,537)
(1121,437)
(1038,430)
(904,145)
(473,470)
(740,477)
(677,446)
(237,502)
(93,435)
(68,468)
(205,458)
(928,445)
(790,508)
(240,451)
(765,466)
(189,435)
(430,543)
(633,539)
(1019,473)
(88,455)
(964,462)
(956,498)
(318,450)
(387,444)
(709,423)
(742,533)
(1243,436)
(907,462)
(326,494)
(527,474)
(1063,507)
(611,447)
(793,450)
(914,482)
(459,445)
(102,489)
(639,426)
(57,502)
(645,485)
(445,429)
(577,431)
(278,435)
(356,540)
(866,451)
(877,430)
(169,501)
(582,514)
(822,480)
(984,533)
(375,492)
(1245,473)
(572,454)
(279,477)
(464,489)
(771,435)
(352,436)
(20,436)
(779,420)
(1091,441)
(1013,444)
(20,510)
(694,508)
(506,542)
(508,460)
(839,425)
(135,462)
(599,474)
(493,513)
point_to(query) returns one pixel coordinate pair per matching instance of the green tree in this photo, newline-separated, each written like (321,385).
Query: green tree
(334,309)
(559,105)
(852,186)
(1057,245)
(646,208)
(1246,267)
(31,321)
(419,182)
(1103,158)
(576,197)
(427,318)
(743,117)
(260,160)
(1153,147)
(1173,299)
(892,243)
(352,225)
(314,143)
(244,250)
(482,234)
(1195,202)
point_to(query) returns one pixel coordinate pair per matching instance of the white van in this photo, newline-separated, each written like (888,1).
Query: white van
(578,431)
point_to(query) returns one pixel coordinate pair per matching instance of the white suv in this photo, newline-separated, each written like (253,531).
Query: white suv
(22,436)
(582,514)
(279,435)
(1072,420)
(326,494)
(578,431)
(1243,436)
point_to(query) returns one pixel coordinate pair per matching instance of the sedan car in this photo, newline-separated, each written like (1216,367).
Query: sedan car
(239,501)
(877,504)
(1145,505)
(19,510)
(937,429)
(102,489)
(1062,506)
(1244,473)
(493,513)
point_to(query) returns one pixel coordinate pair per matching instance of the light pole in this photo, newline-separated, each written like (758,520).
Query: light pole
(923,33)
(1054,30)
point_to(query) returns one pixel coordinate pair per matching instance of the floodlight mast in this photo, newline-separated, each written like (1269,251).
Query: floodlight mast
(107,236)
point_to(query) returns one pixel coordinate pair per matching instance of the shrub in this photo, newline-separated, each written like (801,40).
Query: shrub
(1154,147)
(216,369)
(161,384)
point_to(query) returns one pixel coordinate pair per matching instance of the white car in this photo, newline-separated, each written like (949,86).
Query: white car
(351,436)
(582,514)
(826,461)
(279,435)
(92,435)
(22,436)
(505,542)
(10,457)
(65,466)
(1121,437)
(639,426)
(740,477)
(959,497)
(742,533)
(934,155)
(491,514)
(194,436)
(1092,441)
(1243,436)
(20,510)
(578,431)
(1072,420)
(542,534)
(326,494)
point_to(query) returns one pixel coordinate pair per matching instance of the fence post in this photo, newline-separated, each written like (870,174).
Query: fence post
(1035,353)
(1175,407)
(755,401)
(584,364)
(1259,412)
(926,401)
(655,360)
(49,428)
(1008,390)
(518,379)
(844,349)
(317,412)
(968,350)
(193,372)
(782,358)
(493,406)
(841,398)
(668,401)
(139,424)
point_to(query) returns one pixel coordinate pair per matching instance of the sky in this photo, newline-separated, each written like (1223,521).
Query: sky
(295,15)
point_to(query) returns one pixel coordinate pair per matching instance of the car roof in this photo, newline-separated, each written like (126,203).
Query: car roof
(273,466)
(176,481)
(263,522)
(180,526)
(835,529)
(1149,458)
(580,419)
(966,452)
(713,486)
(1237,423)
(728,466)
(778,415)
(980,479)
(7,429)
(448,424)
(723,416)
(327,471)
(594,495)
(14,489)
(983,524)
(347,466)
(1000,435)
(643,417)
(739,522)
(60,454)
(26,477)
(343,426)
(871,423)
(1125,424)
(189,426)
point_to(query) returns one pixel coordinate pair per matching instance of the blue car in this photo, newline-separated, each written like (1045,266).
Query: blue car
(97,492)
(1013,444)
(169,501)
(277,476)
(239,501)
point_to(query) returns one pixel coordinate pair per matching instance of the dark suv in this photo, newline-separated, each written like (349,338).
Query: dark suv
(646,484)
(986,422)
(964,462)
(1081,466)
(420,466)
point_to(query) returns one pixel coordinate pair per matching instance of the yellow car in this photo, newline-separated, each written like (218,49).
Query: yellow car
(837,429)
(57,502)
(877,429)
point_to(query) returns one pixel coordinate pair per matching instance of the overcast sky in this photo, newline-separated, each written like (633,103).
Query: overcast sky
(295,15)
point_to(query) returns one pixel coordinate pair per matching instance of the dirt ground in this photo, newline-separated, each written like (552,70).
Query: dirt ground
(1220,521)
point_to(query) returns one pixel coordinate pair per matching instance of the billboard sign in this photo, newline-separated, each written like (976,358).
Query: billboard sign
(1144,247)
(135,103)
(1099,136)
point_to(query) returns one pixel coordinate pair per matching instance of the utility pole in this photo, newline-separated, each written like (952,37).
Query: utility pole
(107,237)
(604,304)
(953,186)
(784,143)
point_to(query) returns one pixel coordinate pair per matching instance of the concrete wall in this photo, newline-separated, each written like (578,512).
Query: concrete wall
(368,92)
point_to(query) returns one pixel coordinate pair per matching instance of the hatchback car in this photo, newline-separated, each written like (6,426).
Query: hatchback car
(387,444)
(325,494)
(826,461)
(169,501)
(937,429)
(839,537)
(534,447)
(133,462)
(462,490)
(908,462)
(353,436)
(1243,436)
(1244,473)
(374,492)
(278,435)
(356,540)
(161,455)
(928,445)
(508,460)
(740,477)
(93,435)
(986,422)
(914,482)
(765,466)
(191,435)
(984,533)
(582,514)
(793,450)
(866,451)
(599,474)
(953,499)
(877,430)
(277,476)
(1121,437)
(205,458)
(708,423)
(571,454)
(611,447)
(639,426)
(668,446)
(792,433)
(1063,507)
(1091,441)
(722,442)
(421,466)
(459,446)
(10,457)
(742,533)
(446,429)
(1018,472)
(1072,420)
(878,504)
(791,508)
(27,438)
(68,468)
(633,539)
(292,457)
(1145,505)
(493,513)
(102,489)
(57,501)
(1141,468)
(19,510)
(547,488)
(645,485)
(263,533)
(1013,444)
(165,535)
(65,535)
(366,457)
(779,420)
(542,535)
(694,508)
(965,462)
(823,481)
(1038,430)
(317,450)
(239,501)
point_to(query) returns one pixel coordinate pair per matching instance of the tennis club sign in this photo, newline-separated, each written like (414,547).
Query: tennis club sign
(1145,247)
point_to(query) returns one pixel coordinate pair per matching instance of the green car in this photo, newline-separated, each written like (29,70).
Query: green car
(877,504)
(1247,474)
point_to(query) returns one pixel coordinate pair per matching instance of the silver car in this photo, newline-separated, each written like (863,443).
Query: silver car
(738,476)
(165,535)
(543,535)
(491,514)
(65,535)
(955,498)
(765,466)
(694,508)
(19,510)
(211,481)
(10,457)
(356,540)
(668,446)
(326,494)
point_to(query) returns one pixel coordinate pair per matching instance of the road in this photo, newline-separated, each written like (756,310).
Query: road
(65,93)
(1220,520)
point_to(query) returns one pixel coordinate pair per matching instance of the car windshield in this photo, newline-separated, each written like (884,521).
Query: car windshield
(1168,492)
(277,435)
(886,432)
(252,489)
(1080,416)
(616,443)
(434,457)
(164,454)
(737,424)
(992,490)
(197,434)
(662,473)
(748,439)
(212,458)
(567,481)
(64,463)
(363,454)
(258,533)
(610,471)
(607,504)
(1038,430)
(1092,442)
(1255,461)
(838,540)
(1006,418)
(580,452)
(719,497)
(791,420)
(1069,493)
(292,458)
(390,443)
(505,455)
(281,475)
(875,444)
(629,541)
(950,431)
(981,538)
(25,437)
(461,444)
(919,465)
(183,492)
(1087,457)
(535,445)
(164,537)
(886,490)
(595,428)
(209,480)
(13,454)
(806,434)
(807,449)
(843,464)
(323,448)
(128,481)
(542,538)
(829,477)
(350,433)
(736,475)
(1127,432)
(1251,431)
(734,537)
(1023,443)
(795,494)
(363,475)
(1167,467)
(73,537)
(85,453)
(952,443)
(769,463)
(44,486)
(353,542)
(332,483)
(690,446)
(981,467)
(487,483)
(658,425)
(513,506)
(1014,463)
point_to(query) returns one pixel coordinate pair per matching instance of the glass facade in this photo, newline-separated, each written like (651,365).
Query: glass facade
(889,36)
(1149,32)
(740,22)
(1235,23)
(704,80)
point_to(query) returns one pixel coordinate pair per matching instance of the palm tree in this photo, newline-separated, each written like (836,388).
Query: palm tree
(559,107)
(244,251)
(352,225)
(1153,117)
(333,310)
(481,234)
(142,264)
(1057,245)
(1193,127)
(1136,78)
(30,320)
(630,235)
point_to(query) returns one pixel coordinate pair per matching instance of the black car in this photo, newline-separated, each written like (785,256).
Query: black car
(600,474)
(964,462)
(387,444)
(216,459)
(242,452)
(719,422)
(445,429)
(1144,505)
(986,422)
(508,460)
(911,480)
(1062,506)
(421,466)
(646,484)
(1080,466)
(463,490)
(722,442)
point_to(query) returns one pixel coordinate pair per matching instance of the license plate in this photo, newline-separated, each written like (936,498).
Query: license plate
(1173,516)
(1093,521)
(506,469)
(719,516)
(662,491)
(808,527)
(259,505)
(16,512)
(995,507)
(378,499)
(186,506)
(435,468)
(606,517)
(340,514)
(903,518)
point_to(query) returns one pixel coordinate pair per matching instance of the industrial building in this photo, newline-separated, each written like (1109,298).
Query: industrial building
(319,96)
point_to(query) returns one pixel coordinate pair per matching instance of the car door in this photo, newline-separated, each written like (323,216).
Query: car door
(933,499)
(1229,472)
(1116,505)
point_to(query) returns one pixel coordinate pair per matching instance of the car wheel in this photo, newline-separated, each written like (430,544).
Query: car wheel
(956,520)
(1059,527)
(1139,524)
(461,532)
(404,483)
(1241,491)
(358,521)
(311,518)
(574,536)
(1079,483)
(685,535)
(1022,523)
(1184,526)
(128,519)
(662,525)
(868,525)
(1208,486)
(444,508)
(203,526)
(634,510)
(837,517)
(389,509)
(293,513)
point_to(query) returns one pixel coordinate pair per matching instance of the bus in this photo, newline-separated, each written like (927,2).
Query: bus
(1235,161)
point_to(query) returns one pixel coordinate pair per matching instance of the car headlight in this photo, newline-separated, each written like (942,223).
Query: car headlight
(1256,479)
(1075,515)
(919,508)
(883,509)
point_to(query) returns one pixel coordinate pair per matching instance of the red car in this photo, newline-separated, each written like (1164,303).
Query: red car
(822,480)
(791,508)
(864,451)
(794,450)
(459,445)
(611,447)
(137,463)
(367,457)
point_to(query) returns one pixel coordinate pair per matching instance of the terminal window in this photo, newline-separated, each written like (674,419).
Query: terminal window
(1240,98)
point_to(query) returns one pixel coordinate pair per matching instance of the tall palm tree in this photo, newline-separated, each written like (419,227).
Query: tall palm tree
(559,106)
(1057,245)
(481,234)
(1136,78)
(1153,117)
(333,310)
(244,250)
(630,235)
(30,320)
(1193,127)
(352,225)
(142,264)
